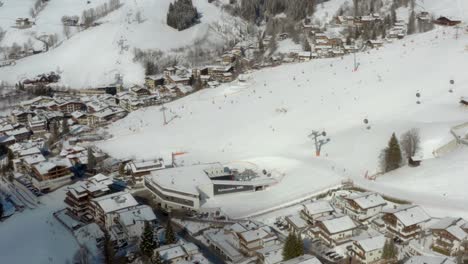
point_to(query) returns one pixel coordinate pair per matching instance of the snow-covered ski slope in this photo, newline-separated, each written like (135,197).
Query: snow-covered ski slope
(267,119)
(92,57)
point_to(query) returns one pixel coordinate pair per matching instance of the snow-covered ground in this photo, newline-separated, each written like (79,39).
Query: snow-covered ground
(92,57)
(267,120)
(36,236)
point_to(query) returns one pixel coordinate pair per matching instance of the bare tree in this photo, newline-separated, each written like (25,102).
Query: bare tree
(410,142)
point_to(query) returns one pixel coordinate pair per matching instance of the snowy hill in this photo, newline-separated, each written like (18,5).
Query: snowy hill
(95,55)
(267,120)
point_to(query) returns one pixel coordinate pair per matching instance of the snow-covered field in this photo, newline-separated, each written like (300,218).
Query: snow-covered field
(92,57)
(35,236)
(267,120)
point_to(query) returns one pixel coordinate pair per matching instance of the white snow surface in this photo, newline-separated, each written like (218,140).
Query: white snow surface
(92,57)
(242,122)
(35,236)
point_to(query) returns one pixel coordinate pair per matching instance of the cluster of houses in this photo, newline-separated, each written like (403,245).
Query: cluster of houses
(358,224)
(245,242)
(44,151)
(100,200)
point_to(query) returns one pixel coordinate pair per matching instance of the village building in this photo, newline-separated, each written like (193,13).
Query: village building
(51,174)
(334,230)
(153,81)
(270,255)
(139,91)
(175,253)
(368,249)
(139,169)
(79,195)
(314,210)
(362,206)
(429,260)
(20,134)
(106,116)
(296,223)
(71,106)
(23,23)
(40,100)
(225,244)
(129,223)
(304,259)
(448,235)
(446,21)
(79,117)
(184,188)
(221,73)
(406,221)
(106,206)
(374,44)
(252,237)
(21,117)
(304,56)
(38,126)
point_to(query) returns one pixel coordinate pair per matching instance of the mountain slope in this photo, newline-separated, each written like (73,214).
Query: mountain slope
(268,118)
(93,56)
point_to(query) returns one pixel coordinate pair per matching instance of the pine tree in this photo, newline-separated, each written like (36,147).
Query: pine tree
(11,157)
(288,247)
(170,235)
(298,246)
(108,249)
(389,250)
(91,160)
(147,243)
(293,247)
(392,155)
(412,24)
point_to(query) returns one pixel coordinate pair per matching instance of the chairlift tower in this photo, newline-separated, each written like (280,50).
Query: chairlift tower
(320,139)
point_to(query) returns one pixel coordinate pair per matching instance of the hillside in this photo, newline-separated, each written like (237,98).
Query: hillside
(107,49)
(267,120)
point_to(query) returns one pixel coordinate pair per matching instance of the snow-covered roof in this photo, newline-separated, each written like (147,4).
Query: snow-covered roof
(146,166)
(297,221)
(452,225)
(171,252)
(304,259)
(367,200)
(255,234)
(337,224)
(219,238)
(127,216)
(46,166)
(184,179)
(116,201)
(371,243)
(429,260)
(30,151)
(318,207)
(18,131)
(34,159)
(410,214)
(272,254)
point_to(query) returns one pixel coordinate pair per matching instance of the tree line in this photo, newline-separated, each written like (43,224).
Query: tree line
(392,157)
(182,14)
